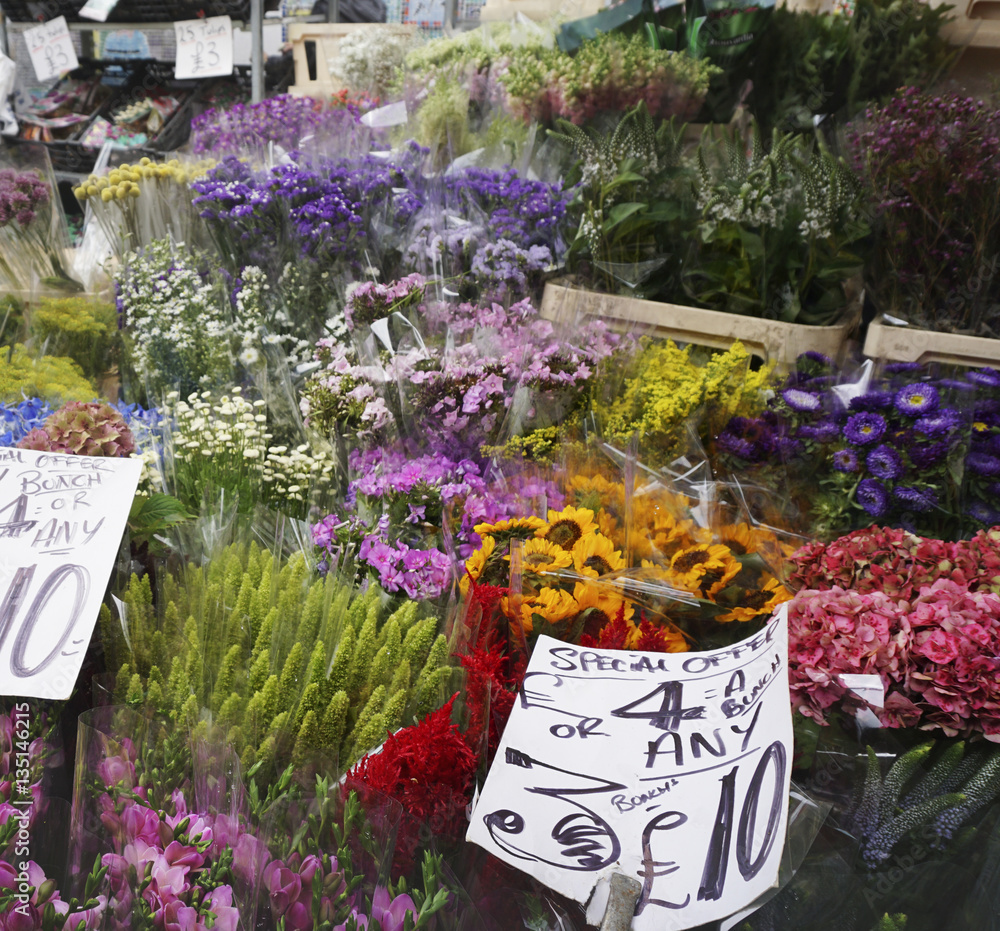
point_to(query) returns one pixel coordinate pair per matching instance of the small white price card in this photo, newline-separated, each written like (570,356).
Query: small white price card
(61,520)
(98,10)
(670,768)
(51,49)
(204,48)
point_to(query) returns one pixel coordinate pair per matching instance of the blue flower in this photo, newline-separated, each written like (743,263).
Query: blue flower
(873,497)
(917,400)
(884,462)
(913,498)
(865,428)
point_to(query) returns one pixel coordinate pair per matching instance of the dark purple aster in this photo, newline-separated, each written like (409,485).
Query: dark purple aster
(865,428)
(825,431)
(983,514)
(873,497)
(957,383)
(749,438)
(845,460)
(872,401)
(884,462)
(939,423)
(989,378)
(805,402)
(924,457)
(896,368)
(983,464)
(917,400)
(813,356)
(914,499)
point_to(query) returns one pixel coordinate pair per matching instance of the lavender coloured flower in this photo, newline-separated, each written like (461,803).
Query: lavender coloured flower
(915,499)
(884,462)
(804,402)
(873,497)
(917,400)
(865,428)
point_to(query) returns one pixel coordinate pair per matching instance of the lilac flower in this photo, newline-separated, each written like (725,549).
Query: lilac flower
(864,428)
(884,462)
(917,400)
(845,460)
(21,194)
(873,497)
(802,401)
(915,499)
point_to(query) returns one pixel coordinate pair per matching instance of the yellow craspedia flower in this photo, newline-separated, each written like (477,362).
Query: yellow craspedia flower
(569,525)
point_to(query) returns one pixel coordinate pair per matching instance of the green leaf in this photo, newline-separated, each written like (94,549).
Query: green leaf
(621,212)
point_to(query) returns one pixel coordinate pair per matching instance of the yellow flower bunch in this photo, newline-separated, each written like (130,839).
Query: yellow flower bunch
(79,327)
(567,569)
(124,181)
(53,378)
(672,387)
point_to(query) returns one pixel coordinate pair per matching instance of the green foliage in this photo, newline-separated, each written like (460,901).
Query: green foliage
(279,697)
(152,515)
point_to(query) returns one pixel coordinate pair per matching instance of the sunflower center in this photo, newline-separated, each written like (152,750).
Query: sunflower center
(711,577)
(735,547)
(564,533)
(599,564)
(755,600)
(539,559)
(688,561)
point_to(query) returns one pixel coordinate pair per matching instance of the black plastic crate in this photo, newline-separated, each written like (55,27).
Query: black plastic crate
(126,11)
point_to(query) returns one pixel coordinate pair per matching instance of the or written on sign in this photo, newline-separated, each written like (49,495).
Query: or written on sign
(61,521)
(50,47)
(671,768)
(204,47)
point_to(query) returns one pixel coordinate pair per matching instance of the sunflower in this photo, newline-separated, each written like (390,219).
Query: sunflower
(541,556)
(551,604)
(595,555)
(689,565)
(717,580)
(567,526)
(520,528)
(757,601)
(595,491)
(599,605)
(607,524)
(476,563)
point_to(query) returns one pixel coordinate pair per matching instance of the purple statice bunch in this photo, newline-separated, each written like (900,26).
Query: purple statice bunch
(283,120)
(929,161)
(22,193)
(505,272)
(370,301)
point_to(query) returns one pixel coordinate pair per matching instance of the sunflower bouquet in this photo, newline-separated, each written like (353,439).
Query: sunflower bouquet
(616,571)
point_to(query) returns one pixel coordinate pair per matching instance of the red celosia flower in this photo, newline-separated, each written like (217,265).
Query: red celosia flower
(490,689)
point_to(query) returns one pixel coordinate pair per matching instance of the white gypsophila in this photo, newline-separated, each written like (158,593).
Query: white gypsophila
(369,59)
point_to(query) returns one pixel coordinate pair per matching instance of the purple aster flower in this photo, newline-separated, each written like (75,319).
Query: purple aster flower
(873,497)
(816,357)
(924,457)
(983,464)
(988,378)
(897,368)
(983,514)
(825,431)
(957,384)
(939,423)
(913,498)
(917,400)
(872,401)
(845,460)
(865,428)
(805,402)
(884,462)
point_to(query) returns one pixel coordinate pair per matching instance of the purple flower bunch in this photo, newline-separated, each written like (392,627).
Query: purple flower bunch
(929,161)
(22,193)
(892,449)
(370,301)
(284,120)
(502,270)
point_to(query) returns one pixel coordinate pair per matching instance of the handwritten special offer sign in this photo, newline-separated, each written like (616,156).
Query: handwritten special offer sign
(61,520)
(671,768)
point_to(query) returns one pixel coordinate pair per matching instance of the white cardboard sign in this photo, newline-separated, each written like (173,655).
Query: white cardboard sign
(204,48)
(61,520)
(670,768)
(51,49)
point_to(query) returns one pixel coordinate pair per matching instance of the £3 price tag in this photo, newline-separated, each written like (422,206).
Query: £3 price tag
(51,49)
(204,47)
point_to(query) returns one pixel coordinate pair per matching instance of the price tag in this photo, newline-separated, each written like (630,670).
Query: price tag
(204,47)
(672,768)
(61,520)
(51,49)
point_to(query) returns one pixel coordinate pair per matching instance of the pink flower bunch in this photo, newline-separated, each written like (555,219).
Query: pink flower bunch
(370,301)
(937,654)
(899,563)
(27,892)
